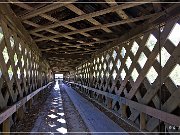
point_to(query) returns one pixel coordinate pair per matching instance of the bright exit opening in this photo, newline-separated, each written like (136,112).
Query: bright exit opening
(58,76)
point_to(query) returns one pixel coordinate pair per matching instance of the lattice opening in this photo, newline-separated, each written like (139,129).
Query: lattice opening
(102,74)
(107,57)
(151,42)
(10,101)
(110,83)
(122,94)
(116,106)
(118,64)
(164,93)
(1,34)
(151,104)
(110,65)
(134,99)
(14,87)
(97,60)
(114,54)
(142,89)
(134,48)
(114,74)
(128,62)
(107,74)
(134,74)
(128,112)
(19,73)
(175,76)
(100,67)
(151,75)
(123,52)
(102,59)
(97,74)
(123,74)
(142,60)
(15,59)
(12,41)
(174,37)
(164,57)
(113,92)
(25,73)
(20,49)
(96,67)
(25,51)
(5,55)
(10,72)
(104,66)
(4,89)
(128,86)
(118,84)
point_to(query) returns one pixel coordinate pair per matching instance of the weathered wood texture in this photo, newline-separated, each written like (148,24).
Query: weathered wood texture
(79,27)
(133,71)
(21,69)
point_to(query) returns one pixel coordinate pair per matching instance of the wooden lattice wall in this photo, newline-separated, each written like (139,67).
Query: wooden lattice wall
(139,72)
(22,70)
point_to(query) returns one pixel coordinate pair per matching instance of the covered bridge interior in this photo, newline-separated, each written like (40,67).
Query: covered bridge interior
(122,56)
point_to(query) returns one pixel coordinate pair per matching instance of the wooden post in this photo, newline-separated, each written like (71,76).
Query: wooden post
(6,127)
(20,113)
(123,110)
(142,121)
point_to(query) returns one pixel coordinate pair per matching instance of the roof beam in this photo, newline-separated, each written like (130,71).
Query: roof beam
(45,9)
(48,17)
(90,15)
(121,13)
(80,12)
(66,56)
(105,25)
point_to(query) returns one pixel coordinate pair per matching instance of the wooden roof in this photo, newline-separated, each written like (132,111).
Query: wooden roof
(67,33)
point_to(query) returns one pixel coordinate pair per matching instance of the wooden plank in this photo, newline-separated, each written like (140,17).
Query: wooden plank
(8,112)
(90,15)
(6,127)
(101,26)
(45,9)
(80,12)
(121,13)
(159,114)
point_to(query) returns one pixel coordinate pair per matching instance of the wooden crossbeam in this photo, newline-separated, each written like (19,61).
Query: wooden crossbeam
(84,44)
(80,12)
(121,13)
(45,9)
(72,56)
(104,26)
(48,17)
(90,15)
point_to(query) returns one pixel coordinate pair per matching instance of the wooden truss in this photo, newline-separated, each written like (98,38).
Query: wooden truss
(58,35)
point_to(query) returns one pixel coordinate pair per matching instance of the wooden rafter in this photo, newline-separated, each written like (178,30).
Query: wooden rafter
(104,25)
(121,13)
(90,15)
(45,9)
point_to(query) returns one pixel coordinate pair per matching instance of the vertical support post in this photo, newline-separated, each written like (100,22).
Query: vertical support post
(20,113)
(142,121)
(6,127)
(30,104)
(123,110)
